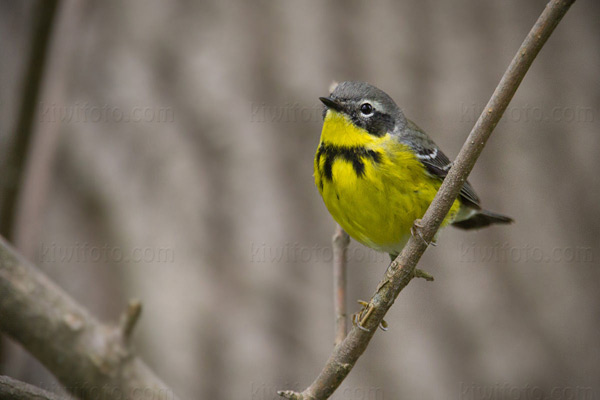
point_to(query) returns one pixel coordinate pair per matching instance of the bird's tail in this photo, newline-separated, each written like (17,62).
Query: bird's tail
(482,219)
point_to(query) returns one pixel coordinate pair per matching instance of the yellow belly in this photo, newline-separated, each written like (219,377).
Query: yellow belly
(378,207)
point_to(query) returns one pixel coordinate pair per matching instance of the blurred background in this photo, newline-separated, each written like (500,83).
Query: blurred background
(168,154)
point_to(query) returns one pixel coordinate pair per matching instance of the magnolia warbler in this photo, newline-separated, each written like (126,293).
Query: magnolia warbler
(377,171)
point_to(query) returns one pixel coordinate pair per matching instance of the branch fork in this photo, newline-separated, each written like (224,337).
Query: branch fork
(91,359)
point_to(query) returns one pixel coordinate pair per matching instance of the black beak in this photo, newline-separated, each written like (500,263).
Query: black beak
(330,103)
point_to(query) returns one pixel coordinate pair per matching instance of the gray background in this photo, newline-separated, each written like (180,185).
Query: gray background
(242,306)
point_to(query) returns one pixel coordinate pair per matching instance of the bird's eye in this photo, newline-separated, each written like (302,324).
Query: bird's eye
(366,109)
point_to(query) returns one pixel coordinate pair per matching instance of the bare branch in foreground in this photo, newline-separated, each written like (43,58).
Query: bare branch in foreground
(92,360)
(17,390)
(341,240)
(402,269)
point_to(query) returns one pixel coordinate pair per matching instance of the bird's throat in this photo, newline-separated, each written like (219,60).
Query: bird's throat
(339,130)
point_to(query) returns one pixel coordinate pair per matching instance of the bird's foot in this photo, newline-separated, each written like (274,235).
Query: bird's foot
(360,318)
(415,231)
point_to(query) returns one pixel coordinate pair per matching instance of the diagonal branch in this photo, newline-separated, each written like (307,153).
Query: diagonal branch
(92,360)
(402,269)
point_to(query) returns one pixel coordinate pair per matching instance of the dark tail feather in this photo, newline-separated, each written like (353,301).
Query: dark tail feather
(482,219)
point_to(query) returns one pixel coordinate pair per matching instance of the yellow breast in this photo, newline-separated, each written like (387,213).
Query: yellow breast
(374,187)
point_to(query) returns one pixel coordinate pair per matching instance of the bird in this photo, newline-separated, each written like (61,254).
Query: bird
(378,172)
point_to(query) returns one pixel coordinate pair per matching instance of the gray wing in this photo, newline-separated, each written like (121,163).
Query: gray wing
(435,161)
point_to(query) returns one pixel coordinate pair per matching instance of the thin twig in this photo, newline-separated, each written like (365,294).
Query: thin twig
(340,249)
(90,359)
(401,270)
(130,318)
(16,390)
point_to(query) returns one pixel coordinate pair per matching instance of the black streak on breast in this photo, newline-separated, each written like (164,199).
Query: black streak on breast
(354,155)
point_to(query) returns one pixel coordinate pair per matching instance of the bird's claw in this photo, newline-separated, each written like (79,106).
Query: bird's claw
(360,318)
(383,325)
(415,231)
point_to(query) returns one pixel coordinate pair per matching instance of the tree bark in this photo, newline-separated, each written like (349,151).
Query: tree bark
(17,390)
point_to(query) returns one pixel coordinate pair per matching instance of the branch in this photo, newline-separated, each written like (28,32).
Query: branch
(13,169)
(402,269)
(44,135)
(17,390)
(340,247)
(92,360)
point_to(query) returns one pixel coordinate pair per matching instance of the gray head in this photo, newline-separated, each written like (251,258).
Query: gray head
(367,106)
